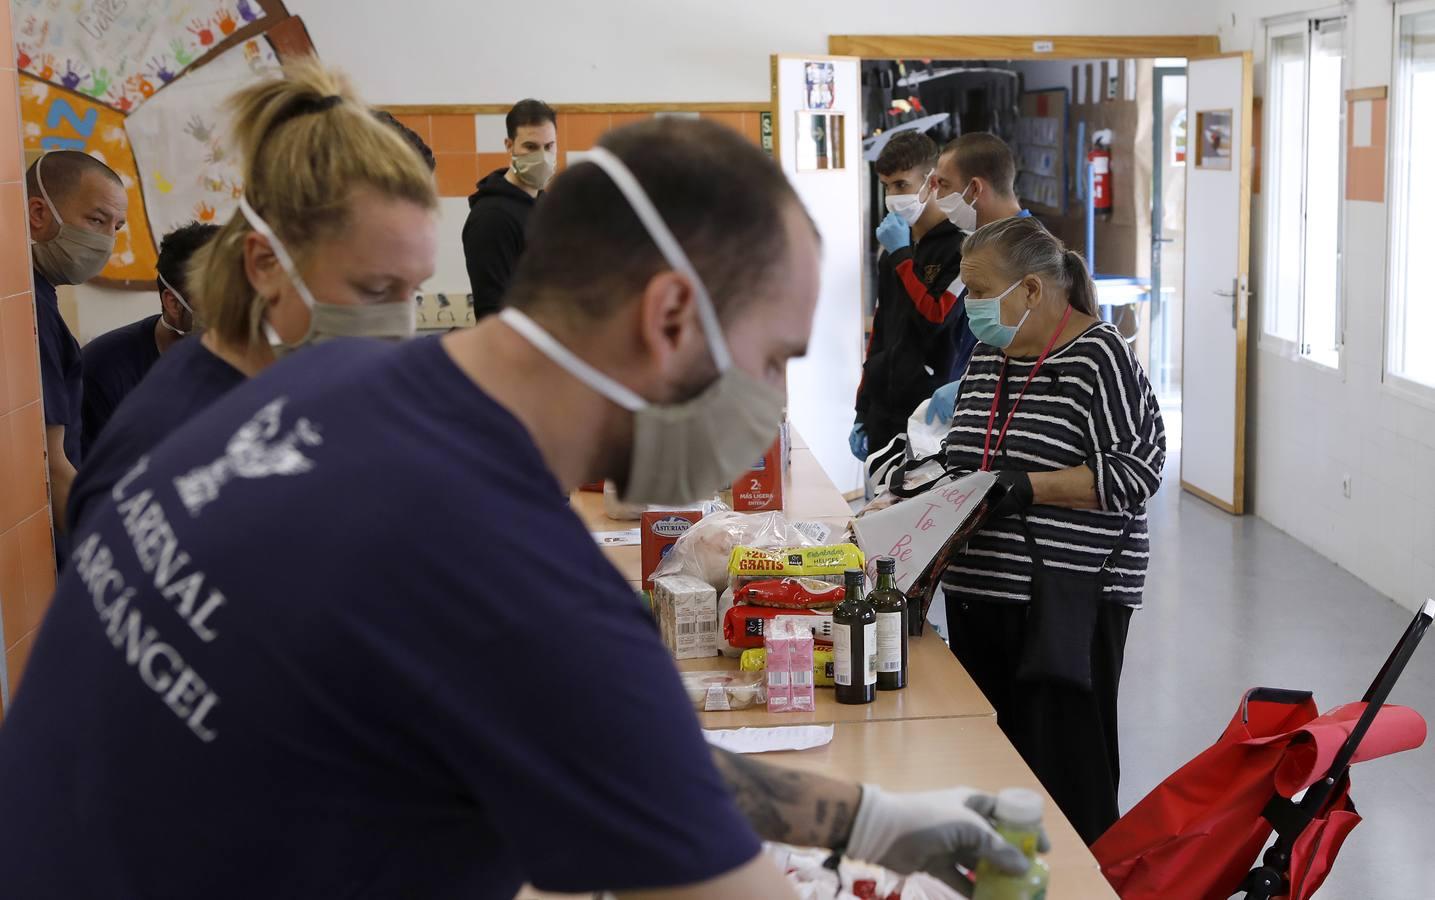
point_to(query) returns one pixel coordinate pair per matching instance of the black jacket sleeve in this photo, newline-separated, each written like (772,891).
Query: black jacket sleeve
(492,243)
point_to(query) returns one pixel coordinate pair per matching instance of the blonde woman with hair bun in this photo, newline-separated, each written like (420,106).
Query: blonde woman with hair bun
(334,234)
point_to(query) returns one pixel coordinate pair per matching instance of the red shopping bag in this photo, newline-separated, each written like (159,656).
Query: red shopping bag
(1198,833)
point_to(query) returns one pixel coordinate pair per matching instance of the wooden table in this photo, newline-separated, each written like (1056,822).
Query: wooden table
(938,687)
(926,754)
(938,732)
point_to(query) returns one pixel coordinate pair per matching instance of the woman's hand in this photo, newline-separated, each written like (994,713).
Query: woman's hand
(1073,488)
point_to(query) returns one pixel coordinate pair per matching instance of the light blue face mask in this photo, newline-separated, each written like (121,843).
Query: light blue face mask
(984,315)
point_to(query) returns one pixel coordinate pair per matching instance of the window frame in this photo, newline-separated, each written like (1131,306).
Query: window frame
(1397,201)
(1303,24)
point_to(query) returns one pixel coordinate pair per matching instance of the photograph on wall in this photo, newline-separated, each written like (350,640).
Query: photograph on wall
(819,141)
(821,80)
(1213,142)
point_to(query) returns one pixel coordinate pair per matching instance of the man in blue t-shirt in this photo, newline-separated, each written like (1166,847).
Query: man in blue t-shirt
(270,670)
(115,361)
(75,206)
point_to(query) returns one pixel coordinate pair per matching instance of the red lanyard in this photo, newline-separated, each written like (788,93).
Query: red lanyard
(988,451)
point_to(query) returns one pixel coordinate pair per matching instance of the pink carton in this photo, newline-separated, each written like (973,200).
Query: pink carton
(789,666)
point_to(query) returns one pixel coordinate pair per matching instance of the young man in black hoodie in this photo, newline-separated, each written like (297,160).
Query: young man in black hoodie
(493,236)
(918,325)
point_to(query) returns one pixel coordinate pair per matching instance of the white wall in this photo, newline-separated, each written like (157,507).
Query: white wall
(1309,427)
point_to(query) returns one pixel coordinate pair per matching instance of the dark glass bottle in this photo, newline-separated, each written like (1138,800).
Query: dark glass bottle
(854,643)
(891,607)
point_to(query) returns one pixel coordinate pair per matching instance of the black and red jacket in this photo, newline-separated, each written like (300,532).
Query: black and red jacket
(920,335)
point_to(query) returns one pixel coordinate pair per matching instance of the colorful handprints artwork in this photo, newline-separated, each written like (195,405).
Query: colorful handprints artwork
(55,119)
(179,139)
(120,52)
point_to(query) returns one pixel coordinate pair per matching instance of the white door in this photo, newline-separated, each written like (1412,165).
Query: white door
(1218,205)
(817,133)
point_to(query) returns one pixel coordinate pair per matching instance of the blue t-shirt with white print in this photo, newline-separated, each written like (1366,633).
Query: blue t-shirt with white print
(341,635)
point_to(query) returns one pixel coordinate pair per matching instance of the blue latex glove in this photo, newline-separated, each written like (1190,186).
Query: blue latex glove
(894,233)
(857,440)
(944,403)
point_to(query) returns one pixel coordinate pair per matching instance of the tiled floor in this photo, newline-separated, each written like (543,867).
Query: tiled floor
(1233,603)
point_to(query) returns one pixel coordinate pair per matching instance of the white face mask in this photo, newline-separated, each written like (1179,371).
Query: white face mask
(910,206)
(180,297)
(392,321)
(958,210)
(684,451)
(536,169)
(74,255)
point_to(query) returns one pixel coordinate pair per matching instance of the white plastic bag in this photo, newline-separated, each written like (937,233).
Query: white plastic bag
(925,440)
(704,550)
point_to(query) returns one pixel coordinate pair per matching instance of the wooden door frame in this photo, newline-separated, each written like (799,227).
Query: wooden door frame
(913,46)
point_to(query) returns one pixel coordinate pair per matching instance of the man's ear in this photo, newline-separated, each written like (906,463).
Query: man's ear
(39,215)
(667,313)
(508,146)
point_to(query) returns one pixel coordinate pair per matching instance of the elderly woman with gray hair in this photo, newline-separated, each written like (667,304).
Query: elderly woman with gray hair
(1040,599)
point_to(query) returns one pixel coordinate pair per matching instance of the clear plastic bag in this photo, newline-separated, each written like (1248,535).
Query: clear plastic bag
(705,549)
(724,690)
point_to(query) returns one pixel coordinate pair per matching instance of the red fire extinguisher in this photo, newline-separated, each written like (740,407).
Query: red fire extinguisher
(1100,161)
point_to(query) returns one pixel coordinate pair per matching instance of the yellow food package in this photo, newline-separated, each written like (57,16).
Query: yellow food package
(755,660)
(794,562)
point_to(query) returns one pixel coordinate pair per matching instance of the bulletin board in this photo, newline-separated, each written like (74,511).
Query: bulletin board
(1041,135)
(140,86)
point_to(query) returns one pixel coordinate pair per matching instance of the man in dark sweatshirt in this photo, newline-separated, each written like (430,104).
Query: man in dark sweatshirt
(493,236)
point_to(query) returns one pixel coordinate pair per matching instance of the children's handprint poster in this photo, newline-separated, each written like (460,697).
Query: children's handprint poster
(122,52)
(180,139)
(141,86)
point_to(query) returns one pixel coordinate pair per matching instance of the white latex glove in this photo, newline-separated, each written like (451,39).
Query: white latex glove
(932,832)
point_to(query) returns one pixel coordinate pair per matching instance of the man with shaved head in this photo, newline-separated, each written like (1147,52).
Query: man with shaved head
(76,204)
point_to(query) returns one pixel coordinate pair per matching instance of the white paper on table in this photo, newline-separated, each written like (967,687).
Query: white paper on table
(769,740)
(630,537)
(1361,127)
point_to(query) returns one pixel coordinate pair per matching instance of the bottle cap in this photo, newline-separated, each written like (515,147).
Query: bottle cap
(854,576)
(886,565)
(1019,806)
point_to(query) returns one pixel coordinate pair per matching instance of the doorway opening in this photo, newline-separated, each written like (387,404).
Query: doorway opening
(1101,153)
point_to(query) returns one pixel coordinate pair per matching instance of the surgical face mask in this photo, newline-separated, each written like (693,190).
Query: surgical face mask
(910,206)
(187,308)
(75,255)
(959,211)
(535,169)
(683,451)
(391,321)
(984,315)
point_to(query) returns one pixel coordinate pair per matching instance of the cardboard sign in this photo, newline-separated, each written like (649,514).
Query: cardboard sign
(920,533)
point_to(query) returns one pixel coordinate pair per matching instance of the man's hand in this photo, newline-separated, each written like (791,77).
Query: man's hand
(932,832)
(944,403)
(894,233)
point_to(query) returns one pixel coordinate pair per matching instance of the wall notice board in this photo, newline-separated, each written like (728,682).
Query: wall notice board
(1041,136)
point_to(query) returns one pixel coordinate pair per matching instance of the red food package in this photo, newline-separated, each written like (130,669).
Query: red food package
(791,593)
(743,626)
(760,488)
(660,531)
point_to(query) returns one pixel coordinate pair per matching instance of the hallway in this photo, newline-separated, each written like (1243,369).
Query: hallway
(1234,603)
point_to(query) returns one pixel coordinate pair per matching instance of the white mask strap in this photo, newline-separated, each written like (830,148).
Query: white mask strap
(177,295)
(562,356)
(39,180)
(1001,296)
(276,245)
(668,245)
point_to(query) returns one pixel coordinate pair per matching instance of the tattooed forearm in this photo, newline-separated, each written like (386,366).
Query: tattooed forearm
(789,806)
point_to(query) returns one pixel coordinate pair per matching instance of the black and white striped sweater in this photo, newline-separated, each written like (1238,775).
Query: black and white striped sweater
(1090,404)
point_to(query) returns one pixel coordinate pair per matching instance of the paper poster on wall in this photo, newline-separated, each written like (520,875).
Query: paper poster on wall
(121,53)
(820,141)
(56,119)
(1178,139)
(821,81)
(1213,139)
(188,169)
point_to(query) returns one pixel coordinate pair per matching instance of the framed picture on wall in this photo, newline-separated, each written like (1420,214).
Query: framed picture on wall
(821,82)
(1213,139)
(819,139)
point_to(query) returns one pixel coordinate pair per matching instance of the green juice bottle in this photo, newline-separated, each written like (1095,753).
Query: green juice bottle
(1018,819)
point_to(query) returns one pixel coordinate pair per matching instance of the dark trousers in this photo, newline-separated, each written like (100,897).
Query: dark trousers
(1067,736)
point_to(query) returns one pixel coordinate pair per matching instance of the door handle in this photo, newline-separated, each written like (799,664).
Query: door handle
(1237,286)
(1224,293)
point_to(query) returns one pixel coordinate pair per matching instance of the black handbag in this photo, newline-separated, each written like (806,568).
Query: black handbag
(1061,618)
